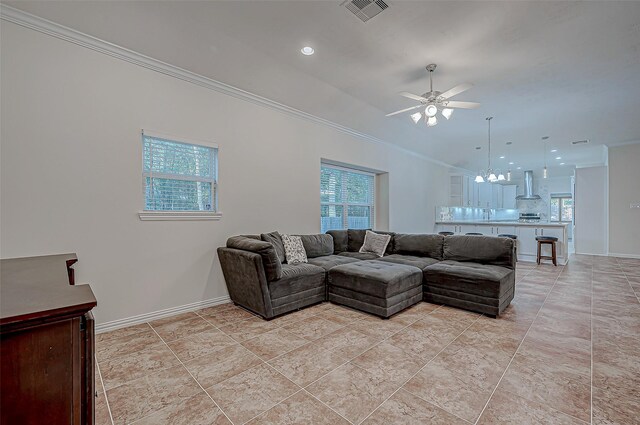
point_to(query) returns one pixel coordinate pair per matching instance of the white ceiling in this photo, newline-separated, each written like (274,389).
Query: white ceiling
(569,70)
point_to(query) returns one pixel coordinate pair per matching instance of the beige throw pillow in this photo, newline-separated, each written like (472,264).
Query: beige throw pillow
(294,249)
(375,243)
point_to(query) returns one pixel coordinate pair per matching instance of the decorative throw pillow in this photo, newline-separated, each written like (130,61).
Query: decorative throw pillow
(294,249)
(375,243)
(275,239)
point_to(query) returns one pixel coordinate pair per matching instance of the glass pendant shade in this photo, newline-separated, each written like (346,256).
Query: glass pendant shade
(479,179)
(545,173)
(501,177)
(416,117)
(492,177)
(509,175)
(431,110)
(446,112)
(431,121)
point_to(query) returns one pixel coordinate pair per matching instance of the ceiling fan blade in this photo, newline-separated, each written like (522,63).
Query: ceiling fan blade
(403,110)
(456,90)
(460,105)
(413,96)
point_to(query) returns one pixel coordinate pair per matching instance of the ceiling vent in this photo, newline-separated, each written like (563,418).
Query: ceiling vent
(580,142)
(365,9)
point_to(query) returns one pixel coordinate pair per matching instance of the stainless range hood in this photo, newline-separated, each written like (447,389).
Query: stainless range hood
(528,188)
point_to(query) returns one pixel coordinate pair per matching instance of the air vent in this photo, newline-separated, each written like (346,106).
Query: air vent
(365,9)
(580,142)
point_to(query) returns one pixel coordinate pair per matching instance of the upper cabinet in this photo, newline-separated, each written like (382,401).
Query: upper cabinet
(465,192)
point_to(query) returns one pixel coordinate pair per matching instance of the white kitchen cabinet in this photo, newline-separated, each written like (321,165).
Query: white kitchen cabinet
(495,229)
(528,246)
(446,228)
(468,228)
(455,190)
(509,196)
(484,195)
(496,196)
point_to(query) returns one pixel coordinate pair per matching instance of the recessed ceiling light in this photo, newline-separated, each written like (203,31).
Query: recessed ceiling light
(562,163)
(519,168)
(306,50)
(511,163)
(558,157)
(502,157)
(554,150)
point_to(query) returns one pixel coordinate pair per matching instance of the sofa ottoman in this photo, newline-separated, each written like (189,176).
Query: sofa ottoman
(378,287)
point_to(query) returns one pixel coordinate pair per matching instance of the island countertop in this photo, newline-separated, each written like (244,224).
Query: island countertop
(540,223)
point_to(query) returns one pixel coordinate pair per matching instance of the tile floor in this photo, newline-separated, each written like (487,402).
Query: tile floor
(567,351)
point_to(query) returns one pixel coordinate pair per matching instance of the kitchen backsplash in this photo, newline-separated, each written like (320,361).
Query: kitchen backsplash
(474,214)
(539,206)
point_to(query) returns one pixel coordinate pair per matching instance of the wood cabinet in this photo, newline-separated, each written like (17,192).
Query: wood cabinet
(47,343)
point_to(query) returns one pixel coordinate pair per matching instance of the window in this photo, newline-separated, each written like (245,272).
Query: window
(561,208)
(346,198)
(178,176)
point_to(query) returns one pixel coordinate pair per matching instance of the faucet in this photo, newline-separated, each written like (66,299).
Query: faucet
(486,211)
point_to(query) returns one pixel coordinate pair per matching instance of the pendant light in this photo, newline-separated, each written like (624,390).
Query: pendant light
(545,173)
(509,169)
(490,175)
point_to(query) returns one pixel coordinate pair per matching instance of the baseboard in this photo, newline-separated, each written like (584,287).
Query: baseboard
(147,317)
(612,254)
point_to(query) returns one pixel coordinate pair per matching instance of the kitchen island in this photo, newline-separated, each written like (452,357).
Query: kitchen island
(525,231)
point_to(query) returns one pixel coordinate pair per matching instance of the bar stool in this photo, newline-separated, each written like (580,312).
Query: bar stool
(473,233)
(515,243)
(445,233)
(551,240)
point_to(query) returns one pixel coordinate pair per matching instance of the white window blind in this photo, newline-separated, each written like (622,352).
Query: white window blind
(178,176)
(347,198)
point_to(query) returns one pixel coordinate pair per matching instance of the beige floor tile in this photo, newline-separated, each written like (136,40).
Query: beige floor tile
(418,340)
(342,315)
(249,328)
(313,328)
(299,409)
(377,327)
(533,381)
(102,416)
(222,364)
(346,343)
(183,325)
(613,407)
(407,409)
(352,391)
(126,344)
(200,344)
(442,387)
(251,393)
(509,409)
(137,399)
(225,316)
(390,362)
(118,370)
(274,343)
(121,333)
(197,410)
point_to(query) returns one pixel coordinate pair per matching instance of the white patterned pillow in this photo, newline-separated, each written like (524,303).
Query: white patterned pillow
(294,249)
(375,243)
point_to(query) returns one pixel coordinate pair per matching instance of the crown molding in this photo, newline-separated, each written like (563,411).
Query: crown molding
(27,20)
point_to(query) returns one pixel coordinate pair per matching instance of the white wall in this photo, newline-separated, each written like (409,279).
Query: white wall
(71,172)
(591,211)
(624,190)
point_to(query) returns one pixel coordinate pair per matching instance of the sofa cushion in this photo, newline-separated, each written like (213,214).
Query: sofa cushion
(328,262)
(419,245)
(340,240)
(409,260)
(480,249)
(378,278)
(297,278)
(359,255)
(270,261)
(355,239)
(375,243)
(473,278)
(274,239)
(294,249)
(317,245)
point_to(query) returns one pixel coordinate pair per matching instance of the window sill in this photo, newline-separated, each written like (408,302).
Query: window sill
(179,215)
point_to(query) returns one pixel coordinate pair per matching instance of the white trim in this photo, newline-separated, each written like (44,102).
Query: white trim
(179,215)
(155,315)
(178,139)
(53,29)
(613,254)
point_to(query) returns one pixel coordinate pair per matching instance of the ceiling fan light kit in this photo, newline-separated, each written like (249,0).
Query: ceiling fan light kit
(435,101)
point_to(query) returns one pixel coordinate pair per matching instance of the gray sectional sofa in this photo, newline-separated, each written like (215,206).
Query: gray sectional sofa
(476,273)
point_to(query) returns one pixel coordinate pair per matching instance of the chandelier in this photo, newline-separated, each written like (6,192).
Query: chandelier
(489,174)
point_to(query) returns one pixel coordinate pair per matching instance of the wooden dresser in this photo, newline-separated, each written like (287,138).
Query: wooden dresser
(46,343)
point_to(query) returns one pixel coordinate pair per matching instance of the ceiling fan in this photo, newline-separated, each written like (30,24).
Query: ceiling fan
(434,101)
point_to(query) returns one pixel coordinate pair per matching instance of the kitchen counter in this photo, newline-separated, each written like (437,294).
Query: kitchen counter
(508,223)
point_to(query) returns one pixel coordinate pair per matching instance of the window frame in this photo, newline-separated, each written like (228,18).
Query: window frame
(561,198)
(345,205)
(170,215)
